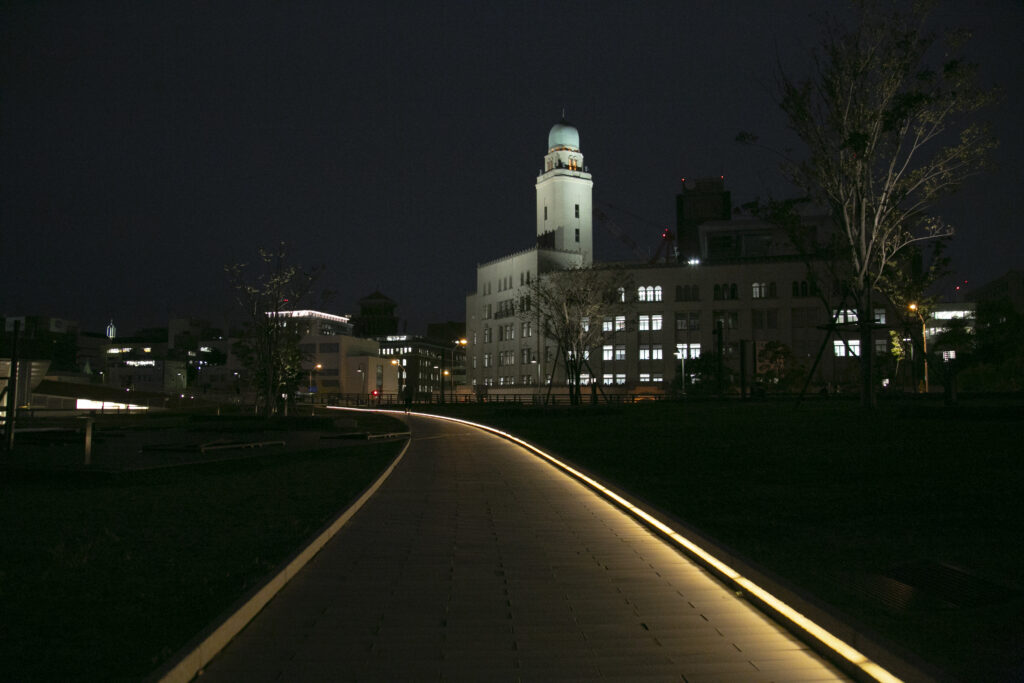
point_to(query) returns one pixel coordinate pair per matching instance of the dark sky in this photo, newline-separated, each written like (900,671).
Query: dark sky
(145,145)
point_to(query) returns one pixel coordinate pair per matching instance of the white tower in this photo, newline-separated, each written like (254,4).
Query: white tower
(564,190)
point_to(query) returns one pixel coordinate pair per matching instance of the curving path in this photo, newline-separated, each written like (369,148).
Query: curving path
(479,561)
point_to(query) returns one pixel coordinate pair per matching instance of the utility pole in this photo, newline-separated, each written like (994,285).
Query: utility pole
(12,391)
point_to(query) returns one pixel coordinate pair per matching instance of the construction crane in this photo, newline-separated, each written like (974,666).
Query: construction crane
(667,248)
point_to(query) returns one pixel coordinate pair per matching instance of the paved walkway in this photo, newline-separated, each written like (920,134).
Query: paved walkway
(478,561)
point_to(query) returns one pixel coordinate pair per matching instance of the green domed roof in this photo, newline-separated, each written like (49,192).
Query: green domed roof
(564,134)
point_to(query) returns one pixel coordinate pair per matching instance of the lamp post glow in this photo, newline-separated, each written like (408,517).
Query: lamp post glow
(681,352)
(317,368)
(399,370)
(924,342)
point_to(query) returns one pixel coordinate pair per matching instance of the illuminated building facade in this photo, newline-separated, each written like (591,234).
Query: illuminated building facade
(735,286)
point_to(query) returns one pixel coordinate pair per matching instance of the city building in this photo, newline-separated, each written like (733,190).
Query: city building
(734,288)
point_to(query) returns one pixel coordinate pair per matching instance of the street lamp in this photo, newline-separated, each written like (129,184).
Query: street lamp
(318,367)
(400,370)
(924,342)
(458,343)
(681,351)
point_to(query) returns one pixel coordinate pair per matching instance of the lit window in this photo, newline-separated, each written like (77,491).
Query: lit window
(656,321)
(760,290)
(620,322)
(620,352)
(688,350)
(847,315)
(645,377)
(620,378)
(846,348)
(645,352)
(606,325)
(607,350)
(656,352)
(644,323)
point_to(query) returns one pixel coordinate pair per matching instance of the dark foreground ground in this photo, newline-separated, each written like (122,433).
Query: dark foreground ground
(907,521)
(107,570)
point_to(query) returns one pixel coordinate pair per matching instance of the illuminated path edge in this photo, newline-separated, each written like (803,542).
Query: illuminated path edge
(841,652)
(191,659)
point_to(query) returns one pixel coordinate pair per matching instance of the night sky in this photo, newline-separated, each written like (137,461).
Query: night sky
(145,145)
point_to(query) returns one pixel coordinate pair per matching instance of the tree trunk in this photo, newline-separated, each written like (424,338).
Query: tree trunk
(865,320)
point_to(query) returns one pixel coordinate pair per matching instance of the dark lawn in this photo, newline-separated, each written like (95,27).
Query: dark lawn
(103,577)
(835,501)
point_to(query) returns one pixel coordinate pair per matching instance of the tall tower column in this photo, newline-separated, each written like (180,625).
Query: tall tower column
(564,196)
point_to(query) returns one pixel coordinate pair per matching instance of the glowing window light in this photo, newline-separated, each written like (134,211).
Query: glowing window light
(88,404)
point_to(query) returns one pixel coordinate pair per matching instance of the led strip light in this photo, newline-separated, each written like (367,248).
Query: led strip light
(852,655)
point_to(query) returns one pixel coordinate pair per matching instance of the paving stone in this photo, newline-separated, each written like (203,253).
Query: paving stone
(478,561)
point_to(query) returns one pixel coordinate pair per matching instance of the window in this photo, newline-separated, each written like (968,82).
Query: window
(846,348)
(487,360)
(847,315)
(648,293)
(545,213)
(577,234)
(527,329)
(688,350)
(585,379)
(717,293)
(486,312)
(880,316)
(525,354)
(620,378)
(606,325)
(650,323)
(760,290)
(734,292)
(620,322)
(728,319)
(645,377)
(487,335)
(648,352)
(577,213)
(687,293)
(606,352)
(688,321)
(585,323)
(882,347)
(620,352)
(608,379)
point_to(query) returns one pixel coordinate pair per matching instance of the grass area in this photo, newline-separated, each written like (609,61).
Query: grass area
(831,499)
(103,577)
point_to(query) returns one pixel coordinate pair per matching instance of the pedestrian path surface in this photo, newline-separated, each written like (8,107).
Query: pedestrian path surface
(478,561)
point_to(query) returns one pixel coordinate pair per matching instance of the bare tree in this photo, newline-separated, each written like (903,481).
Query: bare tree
(269,350)
(570,306)
(887,135)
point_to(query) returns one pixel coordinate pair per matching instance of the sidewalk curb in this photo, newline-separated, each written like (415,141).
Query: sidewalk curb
(190,660)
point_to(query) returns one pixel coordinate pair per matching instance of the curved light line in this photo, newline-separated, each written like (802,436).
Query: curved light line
(794,616)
